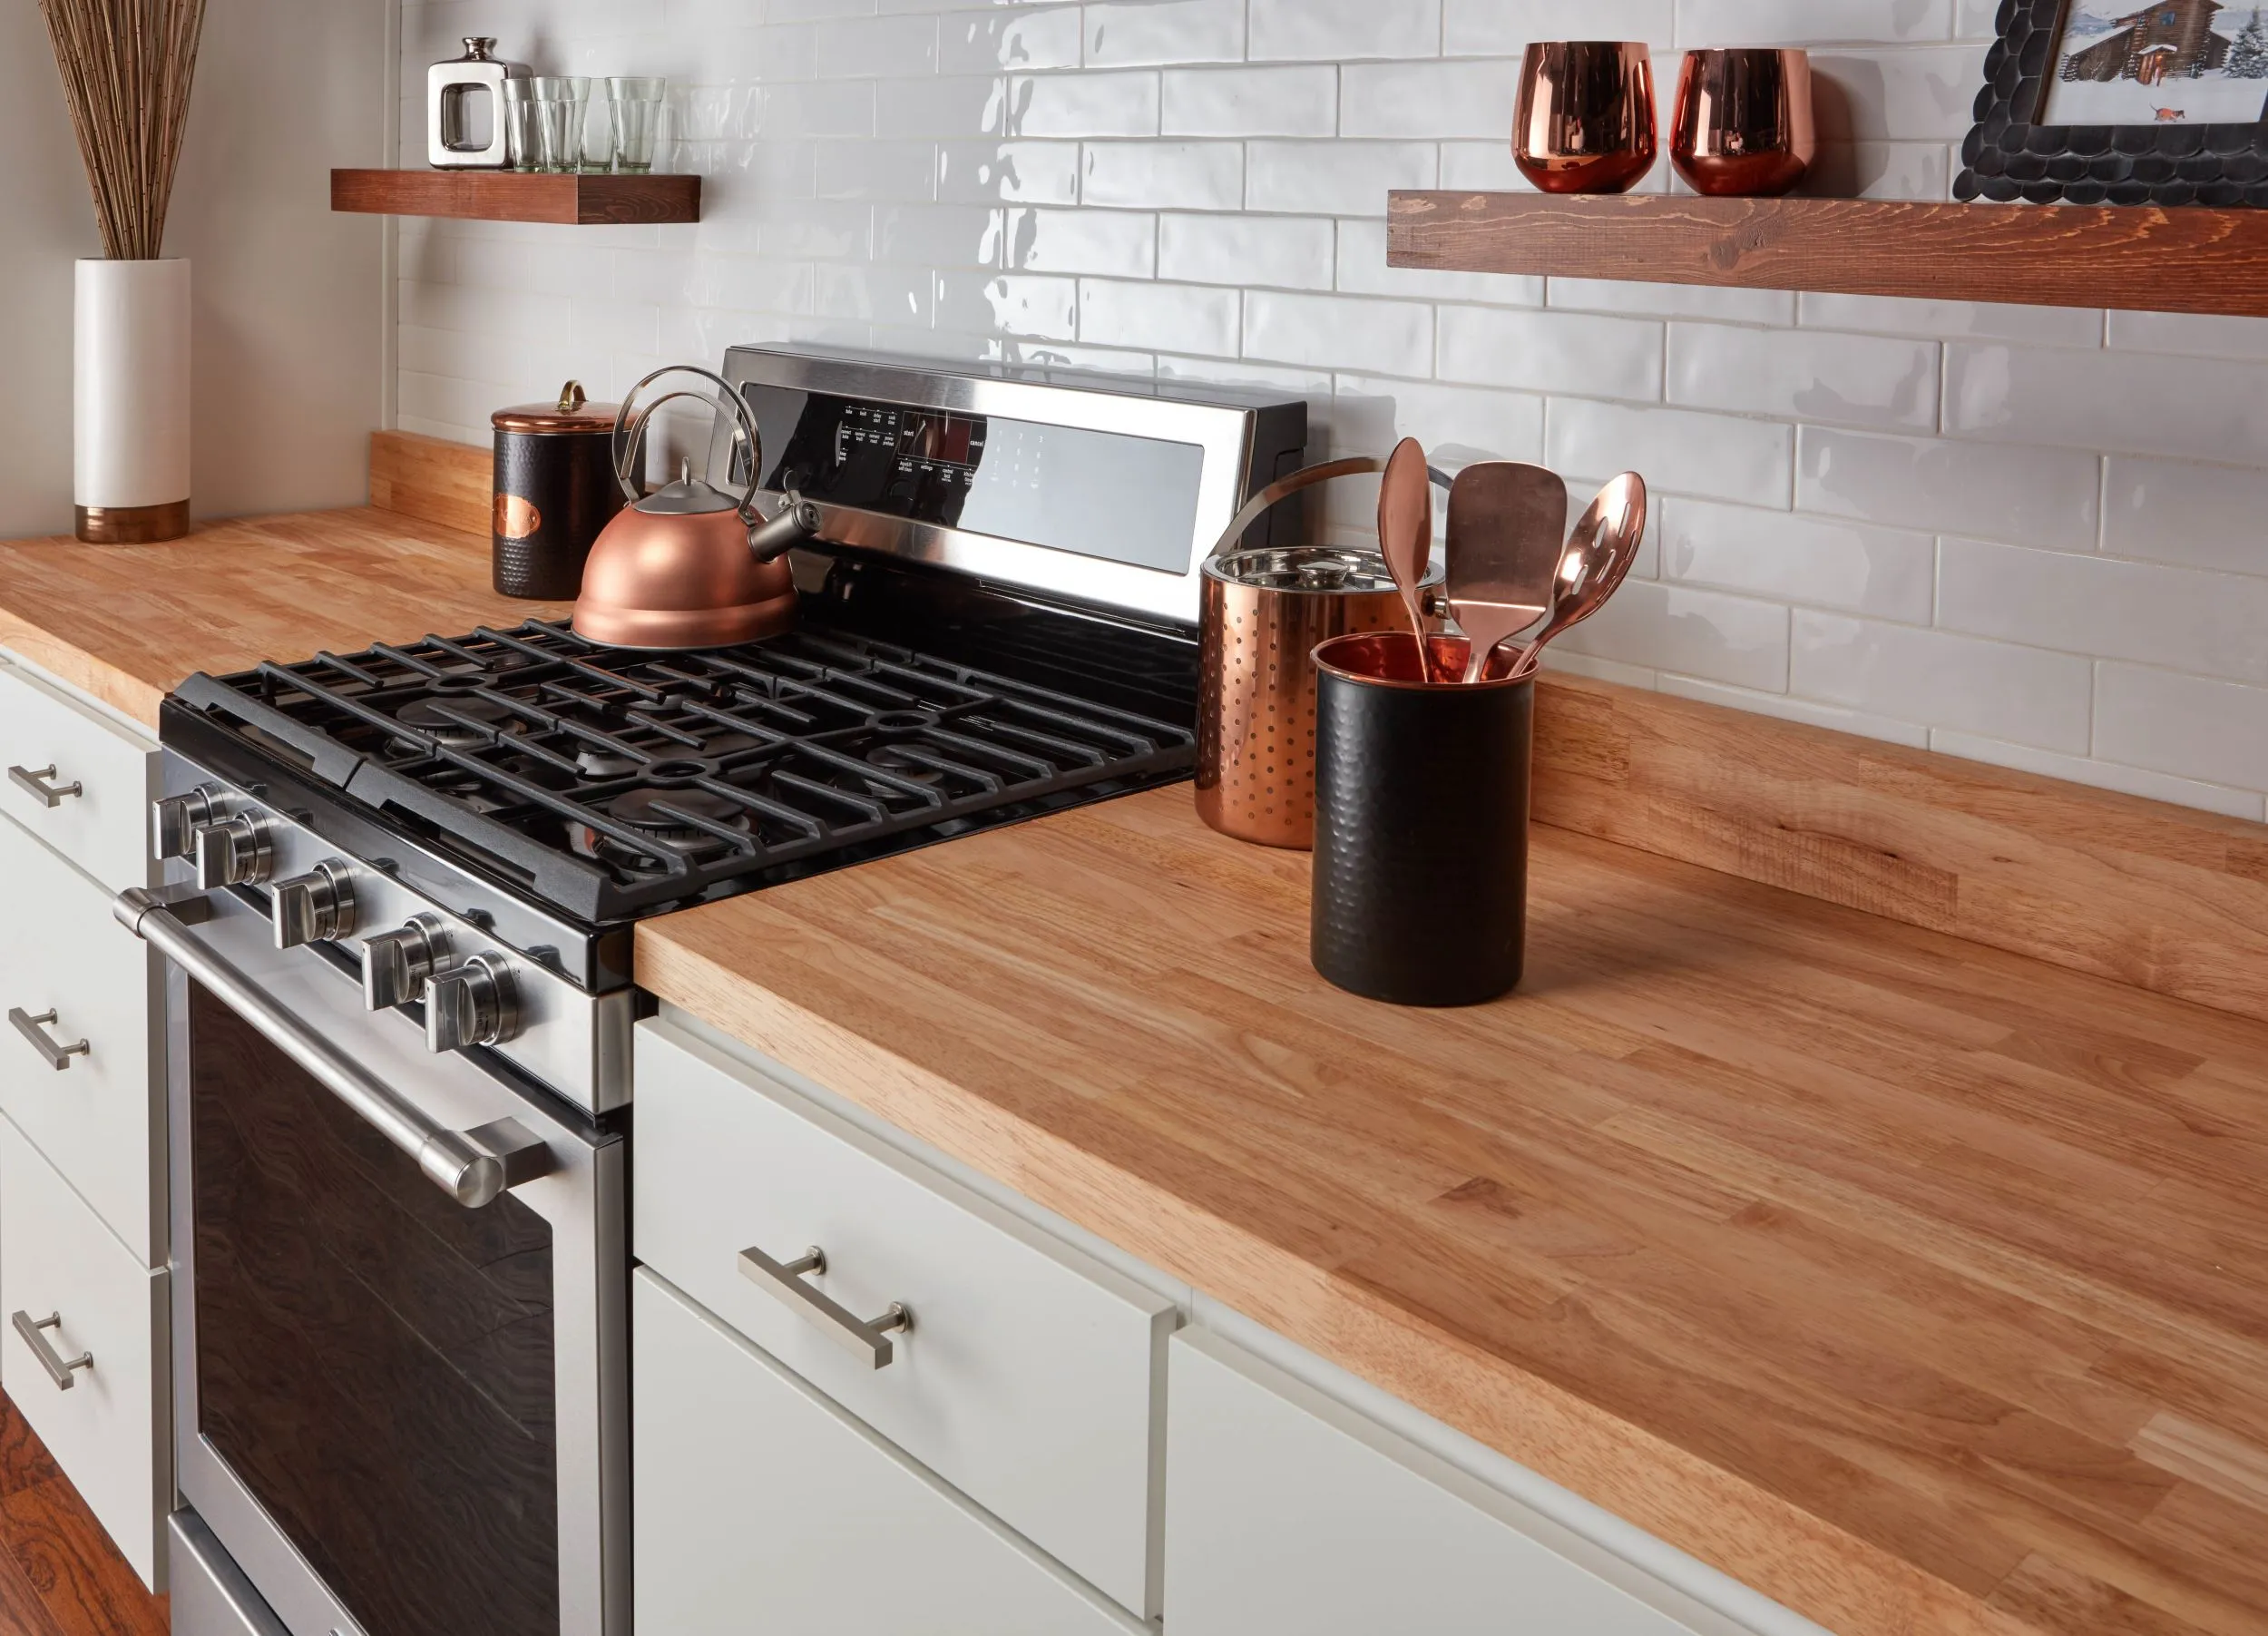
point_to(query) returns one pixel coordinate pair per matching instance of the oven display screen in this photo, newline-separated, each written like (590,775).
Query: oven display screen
(1107,495)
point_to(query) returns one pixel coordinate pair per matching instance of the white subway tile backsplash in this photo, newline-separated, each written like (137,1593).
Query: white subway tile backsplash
(1251,102)
(1797,374)
(2026,535)
(2214,624)
(1998,689)
(1544,351)
(1792,557)
(2034,496)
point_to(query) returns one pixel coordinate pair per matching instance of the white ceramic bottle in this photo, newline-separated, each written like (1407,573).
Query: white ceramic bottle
(130,410)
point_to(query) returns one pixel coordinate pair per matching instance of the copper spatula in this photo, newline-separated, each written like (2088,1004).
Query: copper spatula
(1507,523)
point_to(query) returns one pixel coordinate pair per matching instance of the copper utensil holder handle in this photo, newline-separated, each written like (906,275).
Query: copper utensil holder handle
(1256,774)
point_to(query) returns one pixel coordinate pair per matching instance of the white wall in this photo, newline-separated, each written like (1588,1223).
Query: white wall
(289,340)
(2029,536)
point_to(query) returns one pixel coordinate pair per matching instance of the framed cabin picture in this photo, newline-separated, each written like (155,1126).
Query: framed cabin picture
(2100,102)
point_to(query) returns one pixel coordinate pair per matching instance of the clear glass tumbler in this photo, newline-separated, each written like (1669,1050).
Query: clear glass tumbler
(561,103)
(634,111)
(522,145)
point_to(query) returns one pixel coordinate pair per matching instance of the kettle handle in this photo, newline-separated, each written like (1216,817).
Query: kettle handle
(635,424)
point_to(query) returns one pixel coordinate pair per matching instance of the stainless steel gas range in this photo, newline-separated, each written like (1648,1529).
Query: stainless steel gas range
(402,887)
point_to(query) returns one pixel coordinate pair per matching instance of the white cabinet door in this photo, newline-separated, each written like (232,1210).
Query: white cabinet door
(1286,1512)
(103,826)
(1032,1379)
(763,1508)
(109,1429)
(98,1119)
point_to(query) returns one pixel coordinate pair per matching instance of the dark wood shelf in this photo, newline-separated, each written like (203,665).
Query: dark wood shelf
(518,195)
(2135,257)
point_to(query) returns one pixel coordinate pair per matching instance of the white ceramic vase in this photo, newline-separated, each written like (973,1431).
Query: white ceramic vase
(130,410)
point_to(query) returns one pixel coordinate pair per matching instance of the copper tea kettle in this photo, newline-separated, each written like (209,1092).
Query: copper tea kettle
(689,566)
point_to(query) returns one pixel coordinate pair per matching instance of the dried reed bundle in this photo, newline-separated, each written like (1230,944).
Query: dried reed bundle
(126,70)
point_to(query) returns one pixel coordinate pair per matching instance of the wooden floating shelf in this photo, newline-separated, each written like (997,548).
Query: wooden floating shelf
(2135,257)
(519,196)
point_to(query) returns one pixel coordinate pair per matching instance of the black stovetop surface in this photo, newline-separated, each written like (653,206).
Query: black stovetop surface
(610,784)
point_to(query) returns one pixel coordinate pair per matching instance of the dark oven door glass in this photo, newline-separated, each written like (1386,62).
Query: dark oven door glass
(374,1361)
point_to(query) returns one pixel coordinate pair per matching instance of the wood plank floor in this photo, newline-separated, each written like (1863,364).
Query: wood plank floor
(59,1576)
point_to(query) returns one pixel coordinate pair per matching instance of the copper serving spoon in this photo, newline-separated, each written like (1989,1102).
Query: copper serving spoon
(1507,522)
(1597,560)
(1405,534)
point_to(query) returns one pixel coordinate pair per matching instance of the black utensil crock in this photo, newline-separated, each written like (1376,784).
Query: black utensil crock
(1421,871)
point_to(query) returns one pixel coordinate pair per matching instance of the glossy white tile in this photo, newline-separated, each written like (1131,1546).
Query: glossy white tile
(1774,307)
(2199,335)
(1678,451)
(2031,497)
(1334,179)
(1164,175)
(1175,317)
(1699,633)
(1533,350)
(2200,409)
(1287,252)
(2212,731)
(2023,695)
(1385,337)
(1428,100)
(1491,28)
(1943,320)
(1798,375)
(1123,32)
(1371,412)
(1797,558)
(2178,511)
(1115,243)
(1016,172)
(1822,22)
(1300,101)
(1027,38)
(1084,105)
(1808,712)
(1344,30)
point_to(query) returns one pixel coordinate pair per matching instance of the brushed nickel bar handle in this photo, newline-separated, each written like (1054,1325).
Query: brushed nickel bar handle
(59,1368)
(473,1167)
(40,785)
(866,1337)
(34,1029)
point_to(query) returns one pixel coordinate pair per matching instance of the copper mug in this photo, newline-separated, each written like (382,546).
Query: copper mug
(1743,125)
(1585,118)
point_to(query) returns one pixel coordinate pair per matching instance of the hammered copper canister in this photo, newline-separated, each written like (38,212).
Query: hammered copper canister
(1265,612)
(554,491)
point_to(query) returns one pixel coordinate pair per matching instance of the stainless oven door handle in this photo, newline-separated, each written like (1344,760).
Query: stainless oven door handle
(471,1166)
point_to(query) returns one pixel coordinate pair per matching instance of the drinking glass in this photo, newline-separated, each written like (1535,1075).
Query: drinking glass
(522,145)
(1585,118)
(634,111)
(560,110)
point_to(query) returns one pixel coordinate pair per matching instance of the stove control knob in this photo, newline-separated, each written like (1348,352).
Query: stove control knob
(232,852)
(474,1004)
(314,907)
(175,821)
(396,964)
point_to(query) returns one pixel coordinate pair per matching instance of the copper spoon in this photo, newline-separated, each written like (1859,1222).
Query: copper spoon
(1405,534)
(1507,522)
(1597,560)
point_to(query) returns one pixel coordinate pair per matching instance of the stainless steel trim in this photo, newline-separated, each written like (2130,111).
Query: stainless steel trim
(464,1168)
(1226,433)
(34,1029)
(314,907)
(232,852)
(59,1369)
(38,785)
(210,1594)
(584,1199)
(867,1338)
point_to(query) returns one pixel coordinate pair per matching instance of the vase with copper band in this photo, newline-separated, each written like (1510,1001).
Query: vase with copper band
(1743,126)
(1586,119)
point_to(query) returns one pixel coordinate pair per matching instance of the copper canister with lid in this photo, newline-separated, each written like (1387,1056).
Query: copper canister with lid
(1265,612)
(555,490)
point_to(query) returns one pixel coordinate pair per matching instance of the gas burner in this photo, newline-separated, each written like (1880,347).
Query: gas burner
(436,717)
(905,763)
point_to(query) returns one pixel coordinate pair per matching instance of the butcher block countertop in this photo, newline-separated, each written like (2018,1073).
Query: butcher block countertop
(1921,1286)
(129,623)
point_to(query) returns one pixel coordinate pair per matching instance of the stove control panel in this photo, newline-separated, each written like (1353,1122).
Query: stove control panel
(231,852)
(396,964)
(314,907)
(474,1004)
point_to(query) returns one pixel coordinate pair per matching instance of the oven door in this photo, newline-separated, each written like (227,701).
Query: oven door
(401,1414)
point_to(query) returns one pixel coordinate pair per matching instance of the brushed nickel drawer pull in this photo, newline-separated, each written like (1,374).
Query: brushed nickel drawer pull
(59,1369)
(40,786)
(34,1029)
(866,1337)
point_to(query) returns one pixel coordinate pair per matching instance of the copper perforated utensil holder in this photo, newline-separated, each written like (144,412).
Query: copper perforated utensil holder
(1265,612)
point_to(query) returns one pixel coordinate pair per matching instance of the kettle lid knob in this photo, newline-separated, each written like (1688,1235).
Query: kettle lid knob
(570,397)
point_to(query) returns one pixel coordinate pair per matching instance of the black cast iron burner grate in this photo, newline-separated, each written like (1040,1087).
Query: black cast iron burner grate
(611,781)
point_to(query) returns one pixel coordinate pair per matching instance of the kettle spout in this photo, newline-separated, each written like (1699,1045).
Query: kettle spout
(799,520)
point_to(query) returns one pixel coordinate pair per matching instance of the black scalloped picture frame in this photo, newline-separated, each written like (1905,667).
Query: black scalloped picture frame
(2007,158)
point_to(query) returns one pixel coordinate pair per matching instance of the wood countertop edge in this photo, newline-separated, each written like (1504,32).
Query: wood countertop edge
(1850,1585)
(73,665)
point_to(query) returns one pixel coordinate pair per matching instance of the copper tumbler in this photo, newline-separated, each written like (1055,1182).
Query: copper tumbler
(1585,118)
(1743,125)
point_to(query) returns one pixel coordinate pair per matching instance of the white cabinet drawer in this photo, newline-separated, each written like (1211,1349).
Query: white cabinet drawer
(1285,1511)
(109,1431)
(762,1506)
(104,828)
(97,1118)
(1032,1379)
